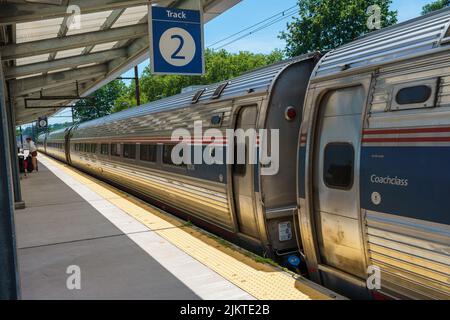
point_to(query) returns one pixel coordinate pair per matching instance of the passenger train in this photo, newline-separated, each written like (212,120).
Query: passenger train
(362,195)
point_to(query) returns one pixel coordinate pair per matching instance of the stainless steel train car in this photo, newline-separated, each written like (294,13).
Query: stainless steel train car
(374,156)
(132,149)
(362,194)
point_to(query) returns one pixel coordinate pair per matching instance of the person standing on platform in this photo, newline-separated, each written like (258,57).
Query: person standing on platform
(31,147)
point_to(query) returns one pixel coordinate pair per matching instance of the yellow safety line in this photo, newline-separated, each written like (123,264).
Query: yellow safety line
(260,280)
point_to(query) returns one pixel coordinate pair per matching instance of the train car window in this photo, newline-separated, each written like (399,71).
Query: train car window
(167,156)
(411,95)
(129,151)
(104,149)
(338,166)
(415,95)
(115,149)
(148,152)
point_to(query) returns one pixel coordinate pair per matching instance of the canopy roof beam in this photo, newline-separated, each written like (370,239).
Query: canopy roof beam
(52,80)
(26,12)
(27,49)
(112,18)
(72,62)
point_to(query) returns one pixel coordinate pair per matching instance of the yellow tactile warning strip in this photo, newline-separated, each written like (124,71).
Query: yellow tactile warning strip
(260,280)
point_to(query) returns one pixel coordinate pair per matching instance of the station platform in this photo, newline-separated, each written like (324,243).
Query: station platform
(127,249)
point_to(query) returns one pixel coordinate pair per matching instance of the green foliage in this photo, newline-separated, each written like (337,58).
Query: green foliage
(102,104)
(27,132)
(435,5)
(220,66)
(57,126)
(33,131)
(127,99)
(326,24)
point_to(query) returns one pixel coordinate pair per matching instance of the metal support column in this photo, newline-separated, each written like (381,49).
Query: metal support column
(21,136)
(138,89)
(9,277)
(18,201)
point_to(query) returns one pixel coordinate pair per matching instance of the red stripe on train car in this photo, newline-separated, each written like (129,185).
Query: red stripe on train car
(418,139)
(400,131)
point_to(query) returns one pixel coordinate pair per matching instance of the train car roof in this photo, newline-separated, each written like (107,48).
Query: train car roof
(419,36)
(256,81)
(58,134)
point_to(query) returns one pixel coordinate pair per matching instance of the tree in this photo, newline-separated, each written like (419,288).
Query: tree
(436,5)
(57,126)
(326,24)
(220,65)
(127,99)
(101,104)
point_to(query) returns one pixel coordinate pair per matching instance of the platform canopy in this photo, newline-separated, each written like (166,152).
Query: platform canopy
(42,56)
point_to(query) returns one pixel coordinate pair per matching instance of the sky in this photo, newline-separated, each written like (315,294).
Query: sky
(250,12)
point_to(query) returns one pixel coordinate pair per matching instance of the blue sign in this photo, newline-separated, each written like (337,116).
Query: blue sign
(176,44)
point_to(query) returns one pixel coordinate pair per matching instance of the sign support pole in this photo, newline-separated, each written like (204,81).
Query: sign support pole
(137,87)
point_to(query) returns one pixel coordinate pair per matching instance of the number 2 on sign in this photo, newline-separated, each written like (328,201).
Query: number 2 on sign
(177,47)
(180,47)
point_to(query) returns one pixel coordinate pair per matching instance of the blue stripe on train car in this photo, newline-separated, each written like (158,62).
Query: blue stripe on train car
(412,182)
(301,171)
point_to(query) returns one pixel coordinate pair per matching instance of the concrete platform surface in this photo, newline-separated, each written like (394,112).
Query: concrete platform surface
(61,227)
(80,238)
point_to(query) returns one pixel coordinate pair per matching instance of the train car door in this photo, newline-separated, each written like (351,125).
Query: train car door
(243,179)
(335,183)
(67,135)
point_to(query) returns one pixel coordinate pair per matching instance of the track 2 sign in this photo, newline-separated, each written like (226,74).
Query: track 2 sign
(176,44)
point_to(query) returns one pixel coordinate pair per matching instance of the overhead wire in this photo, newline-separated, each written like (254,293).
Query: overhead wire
(285,14)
